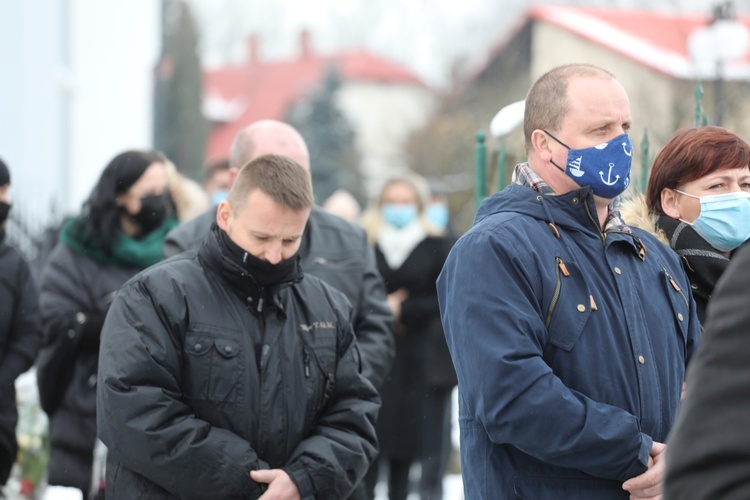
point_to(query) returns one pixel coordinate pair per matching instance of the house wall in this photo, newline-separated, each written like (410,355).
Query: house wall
(80,92)
(383,116)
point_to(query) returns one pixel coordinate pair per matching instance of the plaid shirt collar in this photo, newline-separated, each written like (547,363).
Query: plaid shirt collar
(523,175)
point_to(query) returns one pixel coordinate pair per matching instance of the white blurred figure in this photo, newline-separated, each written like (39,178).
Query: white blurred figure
(342,203)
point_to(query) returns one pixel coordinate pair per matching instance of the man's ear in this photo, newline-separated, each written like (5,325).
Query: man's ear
(224,215)
(540,145)
(669,203)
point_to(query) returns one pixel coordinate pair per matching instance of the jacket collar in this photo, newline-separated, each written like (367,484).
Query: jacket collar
(257,297)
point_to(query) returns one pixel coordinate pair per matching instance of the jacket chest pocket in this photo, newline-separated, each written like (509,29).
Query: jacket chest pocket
(213,368)
(569,308)
(319,366)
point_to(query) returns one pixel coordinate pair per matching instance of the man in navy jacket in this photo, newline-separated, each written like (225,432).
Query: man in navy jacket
(570,331)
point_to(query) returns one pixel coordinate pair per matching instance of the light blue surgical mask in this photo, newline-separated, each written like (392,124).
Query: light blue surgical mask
(399,215)
(219,196)
(724,221)
(604,168)
(437,214)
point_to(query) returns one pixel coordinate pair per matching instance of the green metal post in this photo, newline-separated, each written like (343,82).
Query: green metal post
(644,160)
(501,167)
(480,168)
(701,120)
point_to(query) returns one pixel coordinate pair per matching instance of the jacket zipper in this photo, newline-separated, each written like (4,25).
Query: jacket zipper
(559,269)
(602,234)
(307,362)
(676,287)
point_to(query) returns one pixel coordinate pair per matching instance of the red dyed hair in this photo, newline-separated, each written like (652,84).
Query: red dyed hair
(690,154)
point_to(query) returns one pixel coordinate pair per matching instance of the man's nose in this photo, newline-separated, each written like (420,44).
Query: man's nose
(273,254)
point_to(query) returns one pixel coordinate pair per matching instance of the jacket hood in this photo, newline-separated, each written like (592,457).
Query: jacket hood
(574,209)
(635,213)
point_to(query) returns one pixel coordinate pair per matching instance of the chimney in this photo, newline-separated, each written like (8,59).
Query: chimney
(253,49)
(305,49)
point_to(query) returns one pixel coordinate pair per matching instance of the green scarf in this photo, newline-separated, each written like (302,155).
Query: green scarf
(126,251)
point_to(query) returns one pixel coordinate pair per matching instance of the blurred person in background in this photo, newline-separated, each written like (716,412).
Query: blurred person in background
(218,181)
(189,198)
(414,422)
(20,330)
(698,202)
(120,231)
(342,203)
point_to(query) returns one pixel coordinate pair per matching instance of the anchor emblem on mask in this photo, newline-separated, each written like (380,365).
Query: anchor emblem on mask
(609,181)
(625,149)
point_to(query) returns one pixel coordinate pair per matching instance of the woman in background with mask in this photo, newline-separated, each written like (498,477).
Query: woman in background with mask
(414,421)
(698,201)
(120,232)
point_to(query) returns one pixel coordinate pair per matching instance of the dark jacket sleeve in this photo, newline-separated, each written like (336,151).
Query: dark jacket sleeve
(25,329)
(64,310)
(342,444)
(497,352)
(140,413)
(709,448)
(373,321)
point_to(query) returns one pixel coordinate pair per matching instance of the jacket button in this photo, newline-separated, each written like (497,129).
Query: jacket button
(641,360)
(227,349)
(80,318)
(574,200)
(92,380)
(198,346)
(581,308)
(71,333)
(680,317)
(617,270)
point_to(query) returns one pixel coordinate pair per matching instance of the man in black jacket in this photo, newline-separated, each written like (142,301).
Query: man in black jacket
(332,249)
(709,446)
(226,370)
(20,330)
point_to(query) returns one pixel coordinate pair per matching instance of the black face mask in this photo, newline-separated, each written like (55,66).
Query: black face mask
(265,273)
(154,211)
(4,210)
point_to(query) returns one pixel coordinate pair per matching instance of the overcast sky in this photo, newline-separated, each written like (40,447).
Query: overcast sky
(428,36)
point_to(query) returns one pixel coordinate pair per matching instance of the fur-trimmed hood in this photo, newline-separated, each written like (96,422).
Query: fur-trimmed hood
(634,212)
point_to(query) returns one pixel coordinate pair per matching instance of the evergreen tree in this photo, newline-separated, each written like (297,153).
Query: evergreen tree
(334,156)
(180,129)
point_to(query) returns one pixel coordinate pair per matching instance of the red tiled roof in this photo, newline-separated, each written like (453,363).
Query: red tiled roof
(655,39)
(264,90)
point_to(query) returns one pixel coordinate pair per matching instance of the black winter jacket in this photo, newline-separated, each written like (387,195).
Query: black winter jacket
(337,252)
(204,377)
(20,335)
(76,292)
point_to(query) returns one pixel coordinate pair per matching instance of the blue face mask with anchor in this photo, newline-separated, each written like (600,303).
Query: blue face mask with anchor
(604,168)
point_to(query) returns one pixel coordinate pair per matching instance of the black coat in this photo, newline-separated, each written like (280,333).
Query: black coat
(708,454)
(204,377)
(422,362)
(337,252)
(76,292)
(20,335)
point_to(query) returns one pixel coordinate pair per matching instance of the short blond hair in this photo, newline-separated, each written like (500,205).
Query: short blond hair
(284,180)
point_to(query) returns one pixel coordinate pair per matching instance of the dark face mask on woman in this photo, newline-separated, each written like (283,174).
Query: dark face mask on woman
(153,213)
(4,210)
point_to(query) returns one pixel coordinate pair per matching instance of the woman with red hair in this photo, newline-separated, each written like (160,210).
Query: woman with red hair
(698,201)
